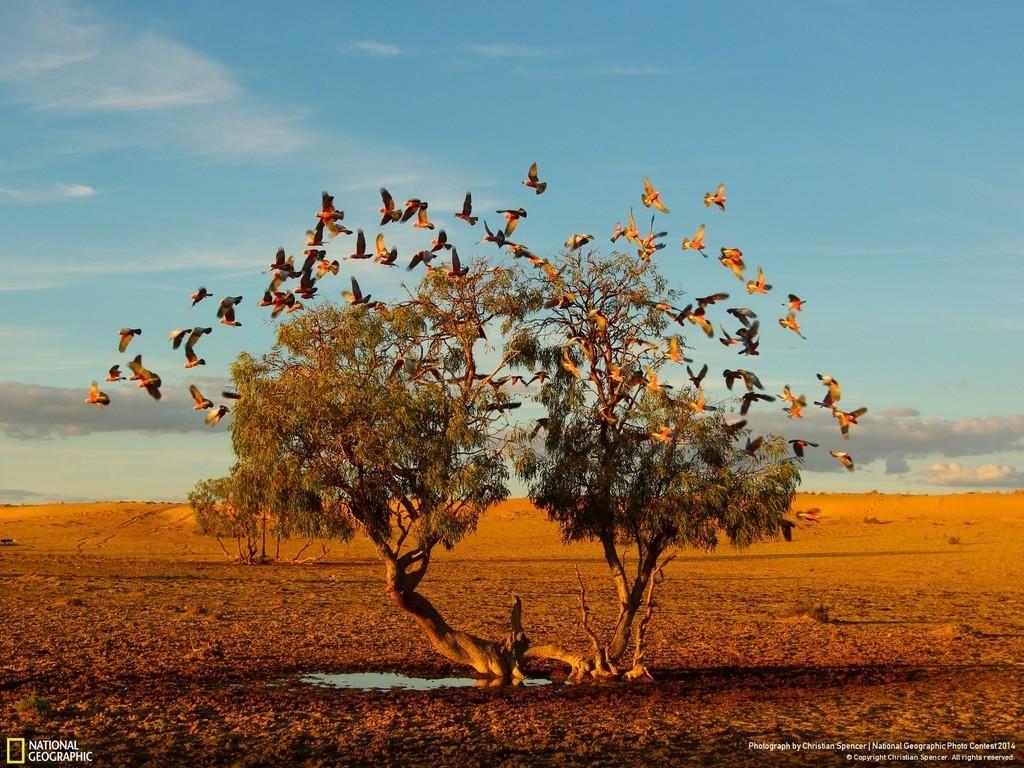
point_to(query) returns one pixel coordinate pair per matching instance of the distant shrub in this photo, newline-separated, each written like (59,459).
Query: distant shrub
(809,610)
(33,705)
(872,521)
(953,540)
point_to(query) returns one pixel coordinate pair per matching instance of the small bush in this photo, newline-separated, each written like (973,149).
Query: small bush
(809,610)
(872,521)
(953,540)
(34,705)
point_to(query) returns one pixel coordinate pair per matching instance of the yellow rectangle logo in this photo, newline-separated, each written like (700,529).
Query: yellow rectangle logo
(10,757)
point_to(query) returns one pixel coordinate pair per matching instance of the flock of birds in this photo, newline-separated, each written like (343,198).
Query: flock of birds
(281,296)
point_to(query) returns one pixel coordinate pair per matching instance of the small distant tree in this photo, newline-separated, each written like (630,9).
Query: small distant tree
(625,459)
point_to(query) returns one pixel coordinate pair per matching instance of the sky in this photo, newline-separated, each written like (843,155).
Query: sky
(871,155)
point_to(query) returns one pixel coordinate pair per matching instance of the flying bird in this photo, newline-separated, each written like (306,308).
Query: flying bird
(732,259)
(389,212)
(96,397)
(199,295)
(697,378)
(115,373)
(146,378)
(328,215)
(441,243)
(422,222)
(795,303)
(383,255)
(845,419)
(191,359)
(758,285)
(790,323)
(651,197)
(533,182)
(716,199)
(512,218)
(213,417)
(572,242)
(799,445)
(700,405)
(752,397)
(126,336)
(457,269)
(201,402)
(360,251)
(355,296)
(466,214)
(845,459)
(177,335)
(226,311)
(834,392)
(697,243)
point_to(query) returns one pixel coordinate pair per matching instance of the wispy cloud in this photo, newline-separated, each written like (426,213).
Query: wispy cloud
(371,48)
(59,57)
(571,73)
(985,475)
(54,55)
(506,50)
(58,191)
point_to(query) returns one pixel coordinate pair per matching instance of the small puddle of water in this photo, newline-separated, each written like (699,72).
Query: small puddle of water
(384,681)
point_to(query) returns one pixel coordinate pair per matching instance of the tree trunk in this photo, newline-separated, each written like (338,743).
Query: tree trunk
(487,657)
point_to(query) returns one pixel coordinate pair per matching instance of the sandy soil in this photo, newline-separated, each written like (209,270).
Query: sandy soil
(151,650)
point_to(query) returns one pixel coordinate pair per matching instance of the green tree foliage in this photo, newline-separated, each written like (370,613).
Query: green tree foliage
(625,460)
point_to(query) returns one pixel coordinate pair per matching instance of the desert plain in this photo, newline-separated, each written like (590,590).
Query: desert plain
(894,619)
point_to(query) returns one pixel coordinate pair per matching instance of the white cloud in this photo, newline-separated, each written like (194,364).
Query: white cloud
(53,55)
(53,193)
(985,475)
(371,48)
(56,56)
(506,50)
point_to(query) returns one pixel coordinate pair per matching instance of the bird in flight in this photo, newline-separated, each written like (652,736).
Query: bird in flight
(799,445)
(651,197)
(126,336)
(201,402)
(790,323)
(466,214)
(115,373)
(533,182)
(388,211)
(697,243)
(833,394)
(512,218)
(226,311)
(797,403)
(96,397)
(214,416)
(360,251)
(795,303)
(716,199)
(573,242)
(758,285)
(844,458)
(199,295)
(191,359)
(846,418)
(732,259)
(146,378)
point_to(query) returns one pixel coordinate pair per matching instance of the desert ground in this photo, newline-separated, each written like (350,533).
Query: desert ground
(126,629)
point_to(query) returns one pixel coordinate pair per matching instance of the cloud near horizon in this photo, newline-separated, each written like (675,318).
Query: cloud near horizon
(985,475)
(34,412)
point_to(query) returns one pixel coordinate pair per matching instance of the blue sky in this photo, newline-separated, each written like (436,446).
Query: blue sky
(871,153)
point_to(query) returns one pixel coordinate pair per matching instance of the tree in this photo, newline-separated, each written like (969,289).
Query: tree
(385,420)
(625,462)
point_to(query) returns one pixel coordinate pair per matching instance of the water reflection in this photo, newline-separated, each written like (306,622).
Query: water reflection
(383,681)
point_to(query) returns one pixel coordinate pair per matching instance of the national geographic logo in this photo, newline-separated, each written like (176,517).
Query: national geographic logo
(40,751)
